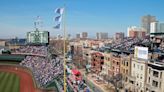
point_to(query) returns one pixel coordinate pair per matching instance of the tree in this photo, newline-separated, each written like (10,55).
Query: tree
(115,81)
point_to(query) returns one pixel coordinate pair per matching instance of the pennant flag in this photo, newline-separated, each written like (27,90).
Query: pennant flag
(58,18)
(35,24)
(59,10)
(57,26)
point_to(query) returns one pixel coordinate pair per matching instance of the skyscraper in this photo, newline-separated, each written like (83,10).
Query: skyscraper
(97,35)
(119,36)
(154,28)
(162,27)
(101,35)
(145,22)
(84,34)
(77,35)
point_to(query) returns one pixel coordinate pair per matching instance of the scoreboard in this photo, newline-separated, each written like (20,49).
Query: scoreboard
(38,37)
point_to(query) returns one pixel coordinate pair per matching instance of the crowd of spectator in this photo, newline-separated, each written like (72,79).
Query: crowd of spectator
(35,50)
(44,70)
(128,43)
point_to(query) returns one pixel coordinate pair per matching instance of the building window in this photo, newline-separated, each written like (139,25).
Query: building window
(141,76)
(155,83)
(141,67)
(108,59)
(134,65)
(147,89)
(149,79)
(102,57)
(126,79)
(117,63)
(113,62)
(123,70)
(149,70)
(155,73)
(126,71)
(137,75)
(126,63)
(161,75)
(102,63)
(140,84)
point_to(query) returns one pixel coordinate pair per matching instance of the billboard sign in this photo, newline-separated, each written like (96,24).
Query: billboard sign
(38,37)
(141,52)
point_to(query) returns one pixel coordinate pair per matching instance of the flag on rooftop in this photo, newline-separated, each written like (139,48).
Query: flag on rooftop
(58,18)
(58,26)
(59,10)
(35,24)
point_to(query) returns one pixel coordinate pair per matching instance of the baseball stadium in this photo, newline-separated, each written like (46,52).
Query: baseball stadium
(31,67)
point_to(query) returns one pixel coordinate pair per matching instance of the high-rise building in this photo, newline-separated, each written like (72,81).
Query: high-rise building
(101,35)
(162,27)
(145,22)
(135,32)
(77,35)
(84,34)
(97,35)
(154,28)
(119,36)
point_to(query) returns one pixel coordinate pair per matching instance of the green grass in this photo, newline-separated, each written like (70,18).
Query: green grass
(9,82)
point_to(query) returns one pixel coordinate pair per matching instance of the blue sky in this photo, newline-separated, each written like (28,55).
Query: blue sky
(17,16)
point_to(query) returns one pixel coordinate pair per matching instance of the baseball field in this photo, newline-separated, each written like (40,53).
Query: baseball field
(16,79)
(9,82)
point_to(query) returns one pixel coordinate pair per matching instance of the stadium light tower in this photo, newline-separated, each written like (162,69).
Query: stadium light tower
(38,23)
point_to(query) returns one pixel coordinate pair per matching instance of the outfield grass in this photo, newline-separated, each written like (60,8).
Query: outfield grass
(9,82)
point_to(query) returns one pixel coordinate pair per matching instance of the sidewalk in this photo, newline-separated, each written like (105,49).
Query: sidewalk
(97,86)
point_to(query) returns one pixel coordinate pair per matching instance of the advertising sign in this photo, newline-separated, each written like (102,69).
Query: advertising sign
(38,37)
(141,52)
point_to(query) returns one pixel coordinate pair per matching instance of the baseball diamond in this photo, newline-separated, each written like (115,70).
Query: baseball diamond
(16,79)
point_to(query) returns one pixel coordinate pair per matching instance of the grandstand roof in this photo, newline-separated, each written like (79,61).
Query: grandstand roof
(9,57)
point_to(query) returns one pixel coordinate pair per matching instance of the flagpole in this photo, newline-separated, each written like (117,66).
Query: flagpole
(65,80)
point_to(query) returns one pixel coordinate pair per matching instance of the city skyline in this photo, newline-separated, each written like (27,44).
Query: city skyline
(17,17)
